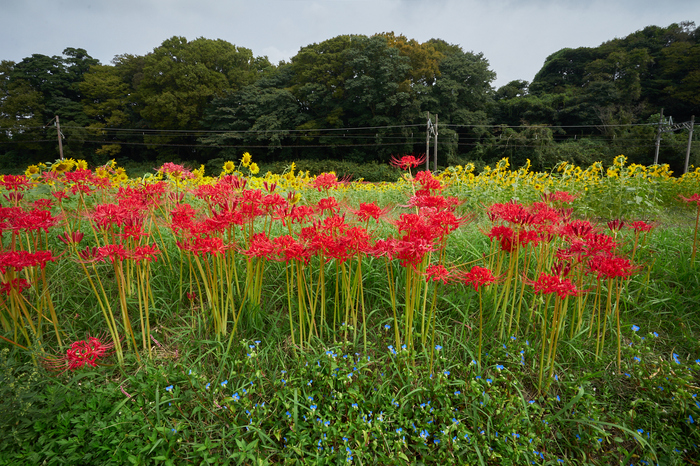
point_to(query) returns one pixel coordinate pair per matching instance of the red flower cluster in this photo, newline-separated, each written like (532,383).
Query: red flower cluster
(82,353)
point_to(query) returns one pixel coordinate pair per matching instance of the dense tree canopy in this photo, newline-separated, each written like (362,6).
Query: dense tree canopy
(354,97)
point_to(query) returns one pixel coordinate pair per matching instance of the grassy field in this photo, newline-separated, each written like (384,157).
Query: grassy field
(504,317)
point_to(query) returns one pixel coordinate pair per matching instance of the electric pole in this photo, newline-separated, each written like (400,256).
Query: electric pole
(690,139)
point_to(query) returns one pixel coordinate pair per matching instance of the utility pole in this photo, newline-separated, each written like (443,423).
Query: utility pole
(435,144)
(690,139)
(427,143)
(658,138)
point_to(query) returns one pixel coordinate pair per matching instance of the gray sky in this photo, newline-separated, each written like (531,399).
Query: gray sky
(514,36)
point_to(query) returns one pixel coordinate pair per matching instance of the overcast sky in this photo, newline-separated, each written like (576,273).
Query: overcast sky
(515,36)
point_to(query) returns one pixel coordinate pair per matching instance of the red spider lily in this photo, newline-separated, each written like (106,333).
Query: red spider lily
(692,198)
(89,254)
(510,212)
(74,237)
(148,252)
(577,229)
(477,277)
(445,222)
(182,217)
(562,197)
(272,202)
(33,220)
(260,246)
(548,284)
(436,202)
(15,182)
(407,161)
(287,248)
(641,226)
(18,260)
(201,245)
(329,204)
(17,284)
(42,204)
(384,248)
(175,171)
(607,265)
(504,235)
(561,268)
(596,243)
(14,197)
(411,252)
(80,354)
(370,210)
(301,213)
(437,273)
(542,214)
(325,181)
(428,183)
(191,296)
(111,251)
(616,225)
(60,195)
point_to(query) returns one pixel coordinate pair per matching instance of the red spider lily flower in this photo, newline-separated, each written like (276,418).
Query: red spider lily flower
(384,248)
(577,229)
(301,213)
(33,220)
(201,245)
(407,161)
(60,195)
(287,248)
(148,252)
(15,182)
(260,246)
(693,198)
(74,237)
(17,284)
(597,243)
(80,354)
(370,210)
(641,226)
(175,171)
(14,197)
(272,202)
(428,183)
(548,284)
(504,235)
(437,273)
(325,181)
(329,204)
(43,204)
(18,260)
(112,251)
(89,254)
(511,212)
(616,225)
(445,222)
(411,252)
(607,265)
(561,197)
(269,187)
(182,217)
(191,296)
(477,277)
(435,202)
(561,268)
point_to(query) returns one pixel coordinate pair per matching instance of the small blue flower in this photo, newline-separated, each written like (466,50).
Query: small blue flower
(635,328)
(235,396)
(499,367)
(489,380)
(207,385)
(457,392)
(690,418)
(310,382)
(446,373)
(387,327)
(169,388)
(438,347)
(223,384)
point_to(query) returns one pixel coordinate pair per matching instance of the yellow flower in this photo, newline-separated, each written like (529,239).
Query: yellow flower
(229,167)
(81,164)
(245,161)
(63,166)
(254,168)
(32,170)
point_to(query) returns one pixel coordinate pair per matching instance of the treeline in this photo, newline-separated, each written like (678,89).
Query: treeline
(353,98)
